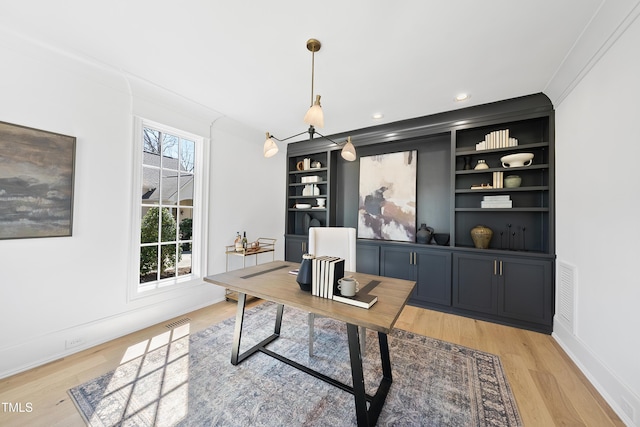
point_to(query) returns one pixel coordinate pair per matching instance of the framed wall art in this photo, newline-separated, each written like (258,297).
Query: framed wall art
(387,196)
(36,182)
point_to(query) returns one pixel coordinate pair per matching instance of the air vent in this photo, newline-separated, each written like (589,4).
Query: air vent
(566,294)
(177,323)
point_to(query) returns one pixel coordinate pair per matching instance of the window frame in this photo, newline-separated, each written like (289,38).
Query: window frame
(199,209)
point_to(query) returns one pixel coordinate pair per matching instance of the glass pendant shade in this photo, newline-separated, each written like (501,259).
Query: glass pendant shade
(315,116)
(270,147)
(349,151)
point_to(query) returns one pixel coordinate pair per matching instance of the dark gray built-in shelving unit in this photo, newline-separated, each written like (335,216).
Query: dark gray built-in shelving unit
(511,282)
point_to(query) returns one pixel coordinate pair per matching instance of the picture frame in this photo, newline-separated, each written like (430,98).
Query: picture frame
(37,170)
(387,196)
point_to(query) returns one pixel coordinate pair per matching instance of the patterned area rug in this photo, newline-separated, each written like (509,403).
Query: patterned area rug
(179,379)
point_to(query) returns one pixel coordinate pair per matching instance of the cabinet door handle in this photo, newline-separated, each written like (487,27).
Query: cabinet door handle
(501,268)
(410,258)
(495,267)
(304,247)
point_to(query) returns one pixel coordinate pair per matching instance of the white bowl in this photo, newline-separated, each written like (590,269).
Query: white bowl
(516,160)
(303,206)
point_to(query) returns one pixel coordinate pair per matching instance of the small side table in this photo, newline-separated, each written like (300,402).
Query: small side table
(265,245)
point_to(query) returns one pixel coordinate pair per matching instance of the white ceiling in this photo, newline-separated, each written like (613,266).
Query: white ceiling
(248,59)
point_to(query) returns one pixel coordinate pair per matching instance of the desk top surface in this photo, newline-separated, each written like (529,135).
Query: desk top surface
(272,282)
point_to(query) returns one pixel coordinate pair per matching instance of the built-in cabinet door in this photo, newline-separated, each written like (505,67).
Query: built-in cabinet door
(294,247)
(398,263)
(475,283)
(525,289)
(434,277)
(431,269)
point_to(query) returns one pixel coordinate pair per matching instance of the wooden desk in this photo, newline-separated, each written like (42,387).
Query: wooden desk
(272,282)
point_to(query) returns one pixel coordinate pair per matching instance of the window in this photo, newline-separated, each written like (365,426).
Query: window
(169,203)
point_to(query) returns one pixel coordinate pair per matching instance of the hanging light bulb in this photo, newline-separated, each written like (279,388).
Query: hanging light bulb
(348,151)
(270,146)
(315,116)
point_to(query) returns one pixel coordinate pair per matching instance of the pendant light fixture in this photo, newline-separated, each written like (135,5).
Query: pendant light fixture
(314,118)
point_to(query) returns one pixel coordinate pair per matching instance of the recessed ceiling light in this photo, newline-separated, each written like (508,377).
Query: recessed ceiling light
(377,116)
(462,97)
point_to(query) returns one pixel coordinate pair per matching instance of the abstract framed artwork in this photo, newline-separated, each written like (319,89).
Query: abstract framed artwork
(387,196)
(36,182)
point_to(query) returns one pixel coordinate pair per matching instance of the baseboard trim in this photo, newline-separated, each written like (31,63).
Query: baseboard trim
(50,347)
(611,388)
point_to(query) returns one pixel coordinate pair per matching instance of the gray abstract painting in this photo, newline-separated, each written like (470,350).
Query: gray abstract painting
(387,204)
(36,182)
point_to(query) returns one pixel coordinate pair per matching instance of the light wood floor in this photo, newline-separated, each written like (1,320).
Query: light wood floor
(549,389)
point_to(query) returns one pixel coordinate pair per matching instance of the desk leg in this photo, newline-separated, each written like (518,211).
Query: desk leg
(237,331)
(236,357)
(358,376)
(368,417)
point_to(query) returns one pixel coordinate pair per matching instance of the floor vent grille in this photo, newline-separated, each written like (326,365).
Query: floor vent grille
(177,323)
(566,294)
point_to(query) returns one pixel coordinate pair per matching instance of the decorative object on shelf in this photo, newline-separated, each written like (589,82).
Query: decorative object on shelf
(314,223)
(306,164)
(305,273)
(37,183)
(308,190)
(321,201)
(485,186)
(442,239)
(424,234)
(300,165)
(512,181)
(467,163)
(481,236)
(516,160)
(314,118)
(316,190)
(389,180)
(316,165)
(481,165)
(303,206)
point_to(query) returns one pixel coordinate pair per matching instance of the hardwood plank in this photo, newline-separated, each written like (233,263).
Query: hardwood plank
(549,388)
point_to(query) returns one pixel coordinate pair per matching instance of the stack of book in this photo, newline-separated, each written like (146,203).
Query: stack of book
(497,201)
(498,180)
(497,139)
(327,270)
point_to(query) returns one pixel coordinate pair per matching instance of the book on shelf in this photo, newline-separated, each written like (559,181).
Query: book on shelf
(496,204)
(362,300)
(495,197)
(497,139)
(498,179)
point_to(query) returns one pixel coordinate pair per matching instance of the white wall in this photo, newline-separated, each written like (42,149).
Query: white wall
(598,205)
(56,289)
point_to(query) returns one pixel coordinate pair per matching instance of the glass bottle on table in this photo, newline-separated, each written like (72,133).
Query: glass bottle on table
(244,240)
(238,242)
